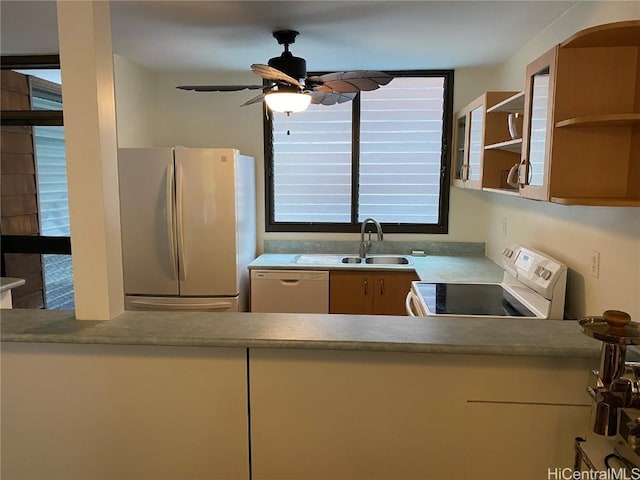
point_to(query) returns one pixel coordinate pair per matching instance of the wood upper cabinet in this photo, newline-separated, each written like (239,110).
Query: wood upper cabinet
(581,137)
(369,292)
(475,166)
(533,175)
(460,159)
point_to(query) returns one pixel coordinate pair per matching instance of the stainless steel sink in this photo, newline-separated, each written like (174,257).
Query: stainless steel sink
(387,260)
(379,260)
(327,259)
(351,260)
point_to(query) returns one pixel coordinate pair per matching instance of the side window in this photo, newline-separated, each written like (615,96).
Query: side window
(35,222)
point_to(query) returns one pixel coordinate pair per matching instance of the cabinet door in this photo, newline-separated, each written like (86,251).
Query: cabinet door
(321,414)
(551,428)
(462,143)
(476,144)
(351,292)
(391,289)
(538,127)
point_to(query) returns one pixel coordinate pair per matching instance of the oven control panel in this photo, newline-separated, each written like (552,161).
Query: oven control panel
(534,269)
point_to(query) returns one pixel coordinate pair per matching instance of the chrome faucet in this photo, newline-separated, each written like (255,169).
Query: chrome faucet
(365,246)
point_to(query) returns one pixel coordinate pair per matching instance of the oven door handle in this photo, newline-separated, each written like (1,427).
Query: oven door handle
(408,303)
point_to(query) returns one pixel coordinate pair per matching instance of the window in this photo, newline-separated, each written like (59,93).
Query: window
(383,155)
(35,231)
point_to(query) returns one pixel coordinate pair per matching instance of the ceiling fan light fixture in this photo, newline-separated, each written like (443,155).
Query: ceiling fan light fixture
(287,102)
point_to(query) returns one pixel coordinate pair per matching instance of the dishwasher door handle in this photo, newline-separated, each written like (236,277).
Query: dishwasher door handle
(287,281)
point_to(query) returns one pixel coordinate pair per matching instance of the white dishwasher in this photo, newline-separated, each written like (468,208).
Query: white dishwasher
(290,291)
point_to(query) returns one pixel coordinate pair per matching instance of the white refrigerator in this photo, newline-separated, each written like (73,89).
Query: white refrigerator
(188,228)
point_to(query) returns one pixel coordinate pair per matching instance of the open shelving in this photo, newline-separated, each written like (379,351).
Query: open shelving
(606,120)
(514,145)
(501,152)
(592,152)
(513,104)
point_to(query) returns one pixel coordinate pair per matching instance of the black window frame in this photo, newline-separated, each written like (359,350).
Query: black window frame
(442,227)
(38,244)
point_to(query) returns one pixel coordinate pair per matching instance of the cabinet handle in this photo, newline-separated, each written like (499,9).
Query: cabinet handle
(382,286)
(366,287)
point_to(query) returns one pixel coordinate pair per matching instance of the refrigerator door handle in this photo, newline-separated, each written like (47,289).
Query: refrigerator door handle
(151,305)
(181,253)
(171,222)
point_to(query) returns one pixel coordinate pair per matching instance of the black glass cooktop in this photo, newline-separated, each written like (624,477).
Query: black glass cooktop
(471,299)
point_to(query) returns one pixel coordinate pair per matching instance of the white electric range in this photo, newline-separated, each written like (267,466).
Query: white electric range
(533,286)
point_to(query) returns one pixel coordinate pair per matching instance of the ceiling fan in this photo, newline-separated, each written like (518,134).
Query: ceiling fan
(288,88)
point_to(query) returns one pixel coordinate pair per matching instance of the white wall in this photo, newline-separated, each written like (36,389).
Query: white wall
(135,100)
(571,233)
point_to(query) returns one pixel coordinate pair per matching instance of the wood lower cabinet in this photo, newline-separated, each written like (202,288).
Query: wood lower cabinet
(369,293)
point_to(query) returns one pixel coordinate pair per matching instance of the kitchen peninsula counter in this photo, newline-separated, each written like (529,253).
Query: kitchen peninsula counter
(377,383)
(484,336)
(276,388)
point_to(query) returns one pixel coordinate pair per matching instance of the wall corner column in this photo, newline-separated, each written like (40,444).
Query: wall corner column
(86,58)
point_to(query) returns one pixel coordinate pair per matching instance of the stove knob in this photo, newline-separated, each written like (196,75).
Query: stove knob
(507,252)
(546,274)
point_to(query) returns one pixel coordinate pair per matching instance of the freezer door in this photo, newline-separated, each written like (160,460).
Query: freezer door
(206,221)
(182,304)
(149,253)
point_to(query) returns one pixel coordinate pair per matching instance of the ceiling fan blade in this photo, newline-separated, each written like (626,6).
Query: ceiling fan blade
(352,82)
(270,73)
(256,99)
(330,98)
(221,88)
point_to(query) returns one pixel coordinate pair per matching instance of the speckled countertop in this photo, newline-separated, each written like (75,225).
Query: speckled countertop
(432,268)
(486,336)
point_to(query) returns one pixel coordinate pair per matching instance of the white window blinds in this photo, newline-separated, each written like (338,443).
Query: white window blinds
(312,165)
(395,168)
(401,151)
(51,164)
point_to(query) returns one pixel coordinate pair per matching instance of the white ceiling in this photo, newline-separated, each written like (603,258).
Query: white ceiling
(230,35)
